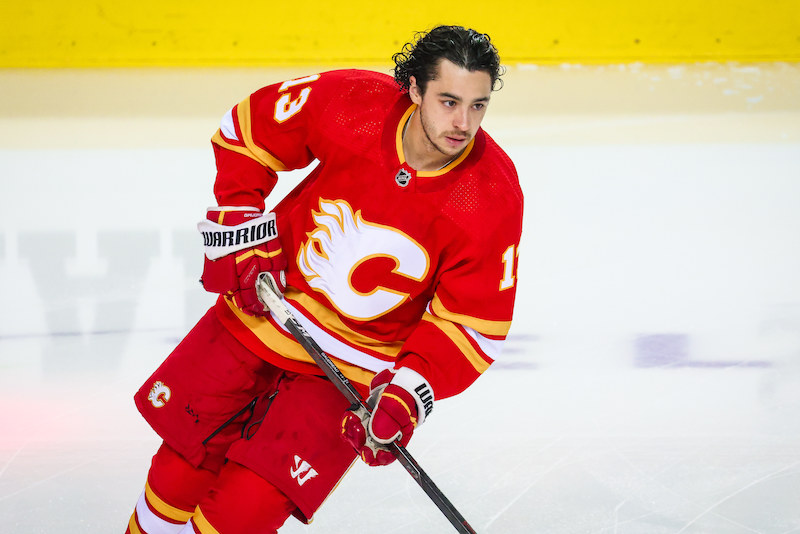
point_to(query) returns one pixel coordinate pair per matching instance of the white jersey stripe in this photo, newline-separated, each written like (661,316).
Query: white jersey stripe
(490,347)
(335,347)
(227,128)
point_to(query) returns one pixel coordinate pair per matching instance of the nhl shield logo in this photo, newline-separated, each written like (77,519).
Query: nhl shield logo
(402,177)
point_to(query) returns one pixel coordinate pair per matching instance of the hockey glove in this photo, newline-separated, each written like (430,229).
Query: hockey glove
(240,243)
(400,401)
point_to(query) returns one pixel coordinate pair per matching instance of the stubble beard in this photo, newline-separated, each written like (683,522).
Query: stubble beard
(426,130)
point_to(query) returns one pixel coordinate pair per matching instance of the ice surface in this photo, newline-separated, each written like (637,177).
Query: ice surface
(651,382)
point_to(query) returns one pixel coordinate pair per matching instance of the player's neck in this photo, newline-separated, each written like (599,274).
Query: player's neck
(419,151)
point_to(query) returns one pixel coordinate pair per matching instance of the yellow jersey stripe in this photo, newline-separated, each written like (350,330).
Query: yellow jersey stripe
(449,166)
(398,138)
(219,140)
(482,326)
(271,336)
(460,340)
(261,155)
(282,343)
(332,323)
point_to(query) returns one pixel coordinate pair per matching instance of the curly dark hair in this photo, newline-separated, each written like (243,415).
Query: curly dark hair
(464,47)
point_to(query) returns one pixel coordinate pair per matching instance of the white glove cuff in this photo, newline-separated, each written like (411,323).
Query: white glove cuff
(220,240)
(419,388)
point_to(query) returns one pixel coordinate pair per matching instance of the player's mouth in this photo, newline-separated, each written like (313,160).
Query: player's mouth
(455,140)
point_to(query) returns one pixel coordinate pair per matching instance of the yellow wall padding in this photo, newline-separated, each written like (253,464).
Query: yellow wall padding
(105,33)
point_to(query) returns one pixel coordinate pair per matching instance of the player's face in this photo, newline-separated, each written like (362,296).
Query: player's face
(452,107)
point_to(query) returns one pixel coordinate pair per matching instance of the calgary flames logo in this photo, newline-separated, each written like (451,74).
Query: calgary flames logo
(341,242)
(159,394)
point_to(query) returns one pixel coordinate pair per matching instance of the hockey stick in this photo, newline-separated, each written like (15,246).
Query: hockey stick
(269,297)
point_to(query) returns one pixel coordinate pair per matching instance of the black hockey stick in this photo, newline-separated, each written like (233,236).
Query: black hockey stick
(269,297)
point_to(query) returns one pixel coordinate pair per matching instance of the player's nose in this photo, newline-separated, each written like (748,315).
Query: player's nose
(461,120)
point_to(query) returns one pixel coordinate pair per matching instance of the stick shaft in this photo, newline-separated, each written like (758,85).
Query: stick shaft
(271,299)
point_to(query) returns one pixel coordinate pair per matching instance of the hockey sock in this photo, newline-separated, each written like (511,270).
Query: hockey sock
(173,489)
(240,501)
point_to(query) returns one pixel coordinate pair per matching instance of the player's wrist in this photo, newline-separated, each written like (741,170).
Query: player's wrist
(417,388)
(243,229)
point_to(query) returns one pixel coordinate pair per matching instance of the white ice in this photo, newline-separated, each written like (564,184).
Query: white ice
(651,382)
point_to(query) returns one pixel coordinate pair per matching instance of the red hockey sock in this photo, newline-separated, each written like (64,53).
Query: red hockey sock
(242,501)
(173,489)
(176,481)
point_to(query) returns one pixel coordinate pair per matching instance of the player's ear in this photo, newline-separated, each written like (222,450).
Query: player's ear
(414,91)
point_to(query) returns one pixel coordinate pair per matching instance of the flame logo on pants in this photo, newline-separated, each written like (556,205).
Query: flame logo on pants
(159,394)
(341,242)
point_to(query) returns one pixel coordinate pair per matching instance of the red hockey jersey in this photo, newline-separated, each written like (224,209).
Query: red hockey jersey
(387,266)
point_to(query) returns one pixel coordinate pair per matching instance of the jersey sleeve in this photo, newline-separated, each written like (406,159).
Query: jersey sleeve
(466,322)
(267,132)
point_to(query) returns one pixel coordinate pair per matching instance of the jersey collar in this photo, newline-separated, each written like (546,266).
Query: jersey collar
(402,157)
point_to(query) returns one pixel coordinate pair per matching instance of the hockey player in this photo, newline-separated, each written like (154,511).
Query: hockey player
(398,255)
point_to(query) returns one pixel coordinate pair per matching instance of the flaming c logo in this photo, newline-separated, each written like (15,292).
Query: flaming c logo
(159,394)
(341,242)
